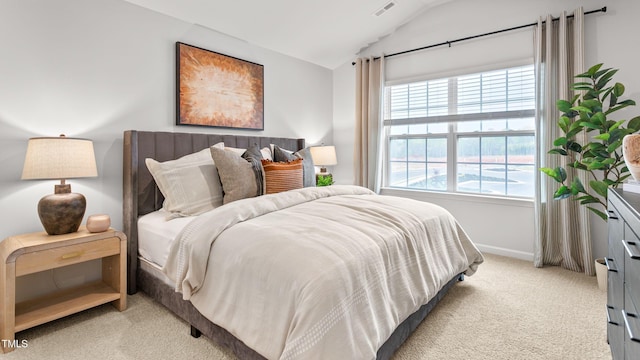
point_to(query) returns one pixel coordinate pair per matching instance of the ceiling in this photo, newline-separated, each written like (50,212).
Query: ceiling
(328,33)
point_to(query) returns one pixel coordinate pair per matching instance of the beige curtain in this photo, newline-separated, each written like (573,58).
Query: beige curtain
(562,226)
(367,156)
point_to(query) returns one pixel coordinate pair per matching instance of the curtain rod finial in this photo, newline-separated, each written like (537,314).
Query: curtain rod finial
(604,9)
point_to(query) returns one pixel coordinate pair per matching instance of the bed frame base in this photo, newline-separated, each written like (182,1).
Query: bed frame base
(165,294)
(195,332)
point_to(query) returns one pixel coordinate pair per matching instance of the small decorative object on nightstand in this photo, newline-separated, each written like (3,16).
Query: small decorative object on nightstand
(31,253)
(324,156)
(98,223)
(60,158)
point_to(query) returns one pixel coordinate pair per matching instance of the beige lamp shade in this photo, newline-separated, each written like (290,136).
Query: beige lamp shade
(59,158)
(324,155)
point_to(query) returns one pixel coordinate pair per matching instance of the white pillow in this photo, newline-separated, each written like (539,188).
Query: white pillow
(190,184)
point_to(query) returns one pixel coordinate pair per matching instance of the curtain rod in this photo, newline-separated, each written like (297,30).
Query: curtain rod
(603,9)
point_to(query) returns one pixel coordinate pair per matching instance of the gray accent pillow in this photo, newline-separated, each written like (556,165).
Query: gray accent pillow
(236,175)
(254,156)
(308,169)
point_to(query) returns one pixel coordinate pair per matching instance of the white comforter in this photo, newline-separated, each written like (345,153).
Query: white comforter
(318,273)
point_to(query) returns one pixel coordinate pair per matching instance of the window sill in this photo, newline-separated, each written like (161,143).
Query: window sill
(425,195)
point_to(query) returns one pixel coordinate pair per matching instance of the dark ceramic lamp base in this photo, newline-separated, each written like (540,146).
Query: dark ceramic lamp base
(62,212)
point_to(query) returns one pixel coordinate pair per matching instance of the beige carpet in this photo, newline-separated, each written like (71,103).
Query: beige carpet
(508,310)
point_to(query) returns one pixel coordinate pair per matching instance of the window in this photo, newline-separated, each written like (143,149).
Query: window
(472,133)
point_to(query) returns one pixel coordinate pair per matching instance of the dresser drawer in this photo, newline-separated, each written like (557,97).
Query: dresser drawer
(615,332)
(632,270)
(66,255)
(631,322)
(615,285)
(615,227)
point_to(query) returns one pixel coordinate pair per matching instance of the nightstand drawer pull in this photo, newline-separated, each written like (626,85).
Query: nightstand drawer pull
(72,255)
(609,263)
(632,323)
(612,215)
(631,248)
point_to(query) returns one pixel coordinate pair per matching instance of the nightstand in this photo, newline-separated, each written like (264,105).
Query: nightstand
(35,252)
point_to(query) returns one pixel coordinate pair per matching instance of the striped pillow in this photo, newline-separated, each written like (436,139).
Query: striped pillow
(282,176)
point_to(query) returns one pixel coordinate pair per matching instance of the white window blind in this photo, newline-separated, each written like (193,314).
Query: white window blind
(470,133)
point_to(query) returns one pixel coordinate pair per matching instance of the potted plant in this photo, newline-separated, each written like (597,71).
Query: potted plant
(324,180)
(600,155)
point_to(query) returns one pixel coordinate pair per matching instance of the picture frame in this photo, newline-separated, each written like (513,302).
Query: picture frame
(218,90)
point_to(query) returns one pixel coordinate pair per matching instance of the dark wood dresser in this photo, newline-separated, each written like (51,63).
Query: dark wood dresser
(623,284)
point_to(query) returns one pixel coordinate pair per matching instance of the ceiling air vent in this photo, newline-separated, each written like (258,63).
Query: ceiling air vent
(385,8)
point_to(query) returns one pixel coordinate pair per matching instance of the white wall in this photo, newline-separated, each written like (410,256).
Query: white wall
(96,68)
(607,40)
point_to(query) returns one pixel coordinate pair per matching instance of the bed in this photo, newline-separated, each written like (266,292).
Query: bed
(289,333)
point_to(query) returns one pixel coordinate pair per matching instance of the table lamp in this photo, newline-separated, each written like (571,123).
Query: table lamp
(60,158)
(324,156)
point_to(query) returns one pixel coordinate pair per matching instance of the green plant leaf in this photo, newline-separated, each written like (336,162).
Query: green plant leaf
(599,187)
(581,83)
(578,165)
(574,146)
(590,94)
(564,123)
(558,174)
(613,146)
(598,117)
(560,141)
(613,100)
(576,185)
(590,125)
(618,89)
(622,179)
(634,123)
(595,165)
(593,104)
(563,192)
(558,151)
(615,135)
(605,78)
(599,73)
(602,215)
(592,70)
(581,109)
(603,137)
(616,124)
(587,199)
(564,106)
(617,107)
(606,92)
(573,132)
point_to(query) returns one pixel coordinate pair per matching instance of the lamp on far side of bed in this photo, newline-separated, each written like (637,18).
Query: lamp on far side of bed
(60,158)
(324,156)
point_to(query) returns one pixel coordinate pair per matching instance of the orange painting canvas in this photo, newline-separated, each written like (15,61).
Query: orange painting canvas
(218,90)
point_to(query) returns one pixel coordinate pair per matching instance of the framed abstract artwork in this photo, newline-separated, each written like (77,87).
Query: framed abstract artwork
(218,90)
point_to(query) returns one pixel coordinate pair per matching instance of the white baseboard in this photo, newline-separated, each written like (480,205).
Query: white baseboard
(505,252)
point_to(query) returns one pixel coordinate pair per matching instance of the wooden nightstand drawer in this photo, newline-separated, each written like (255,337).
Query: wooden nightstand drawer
(66,255)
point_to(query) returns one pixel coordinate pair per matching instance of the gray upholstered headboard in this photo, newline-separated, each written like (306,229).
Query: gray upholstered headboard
(140,193)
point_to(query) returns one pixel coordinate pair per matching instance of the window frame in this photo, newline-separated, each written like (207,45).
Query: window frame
(452,135)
